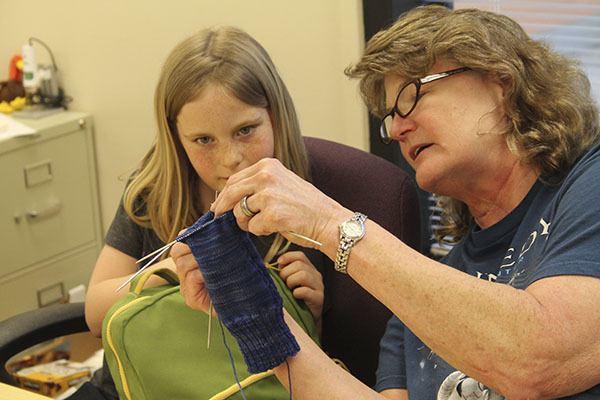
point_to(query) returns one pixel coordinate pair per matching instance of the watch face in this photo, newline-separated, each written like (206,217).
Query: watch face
(352,229)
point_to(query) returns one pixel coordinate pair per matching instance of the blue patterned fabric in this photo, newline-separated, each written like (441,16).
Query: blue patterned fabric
(241,290)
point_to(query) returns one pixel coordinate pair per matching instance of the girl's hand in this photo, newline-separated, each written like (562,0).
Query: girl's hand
(303,279)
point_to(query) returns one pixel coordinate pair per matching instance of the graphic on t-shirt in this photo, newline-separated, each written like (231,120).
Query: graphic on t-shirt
(514,268)
(458,386)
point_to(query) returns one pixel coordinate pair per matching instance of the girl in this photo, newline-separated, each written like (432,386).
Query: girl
(220,107)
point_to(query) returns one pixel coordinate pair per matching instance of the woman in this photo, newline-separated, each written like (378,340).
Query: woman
(507,131)
(220,107)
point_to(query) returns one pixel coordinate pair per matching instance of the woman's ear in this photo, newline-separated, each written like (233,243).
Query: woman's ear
(498,88)
(504,82)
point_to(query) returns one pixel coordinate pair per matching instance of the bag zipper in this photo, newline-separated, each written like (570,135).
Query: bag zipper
(112,346)
(233,389)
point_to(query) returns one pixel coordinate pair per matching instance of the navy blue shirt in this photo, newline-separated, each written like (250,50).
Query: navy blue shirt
(554,231)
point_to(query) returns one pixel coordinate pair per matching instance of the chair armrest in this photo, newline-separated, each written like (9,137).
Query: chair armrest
(22,331)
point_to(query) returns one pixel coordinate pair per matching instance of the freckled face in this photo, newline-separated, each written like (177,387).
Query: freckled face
(222,135)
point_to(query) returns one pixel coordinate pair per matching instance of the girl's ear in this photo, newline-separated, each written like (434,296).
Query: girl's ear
(172,126)
(271,116)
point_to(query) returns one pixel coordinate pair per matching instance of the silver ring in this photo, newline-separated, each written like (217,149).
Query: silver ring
(244,206)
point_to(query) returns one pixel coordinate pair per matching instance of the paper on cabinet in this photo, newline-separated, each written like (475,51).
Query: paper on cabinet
(9,127)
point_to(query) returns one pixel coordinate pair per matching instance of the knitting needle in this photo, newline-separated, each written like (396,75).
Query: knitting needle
(139,271)
(166,246)
(210,311)
(159,251)
(313,241)
(210,305)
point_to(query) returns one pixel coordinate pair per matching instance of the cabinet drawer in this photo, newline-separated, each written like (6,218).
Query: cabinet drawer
(43,285)
(47,206)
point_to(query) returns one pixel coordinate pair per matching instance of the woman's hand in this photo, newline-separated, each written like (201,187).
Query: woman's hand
(303,279)
(191,281)
(282,202)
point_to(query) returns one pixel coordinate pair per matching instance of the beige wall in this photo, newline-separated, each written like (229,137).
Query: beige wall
(109,53)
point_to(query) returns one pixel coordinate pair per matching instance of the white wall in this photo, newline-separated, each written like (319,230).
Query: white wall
(110,52)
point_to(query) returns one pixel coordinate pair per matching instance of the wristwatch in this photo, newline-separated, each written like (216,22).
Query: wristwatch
(351,231)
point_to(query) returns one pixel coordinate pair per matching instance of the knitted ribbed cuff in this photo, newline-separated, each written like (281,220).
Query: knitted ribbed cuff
(264,339)
(242,291)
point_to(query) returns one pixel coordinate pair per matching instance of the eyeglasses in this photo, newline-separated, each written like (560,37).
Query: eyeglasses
(407,99)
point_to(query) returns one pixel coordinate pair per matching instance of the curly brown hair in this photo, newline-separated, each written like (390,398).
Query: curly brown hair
(552,118)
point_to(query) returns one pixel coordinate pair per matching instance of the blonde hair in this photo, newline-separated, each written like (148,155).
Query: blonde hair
(552,117)
(163,194)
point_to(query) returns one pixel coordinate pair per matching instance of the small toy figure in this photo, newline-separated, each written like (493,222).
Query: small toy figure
(12,92)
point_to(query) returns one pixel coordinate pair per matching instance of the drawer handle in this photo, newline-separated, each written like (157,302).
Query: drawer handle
(51,295)
(49,211)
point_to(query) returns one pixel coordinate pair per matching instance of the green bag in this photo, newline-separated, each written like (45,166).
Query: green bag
(156,346)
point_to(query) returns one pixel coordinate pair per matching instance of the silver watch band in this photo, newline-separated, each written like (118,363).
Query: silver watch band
(346,243)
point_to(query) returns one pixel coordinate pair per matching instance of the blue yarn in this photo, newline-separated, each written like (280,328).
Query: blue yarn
(241,290)
(289,377)
(237,380)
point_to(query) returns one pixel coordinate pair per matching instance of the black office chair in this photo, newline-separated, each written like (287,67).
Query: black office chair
(353,321)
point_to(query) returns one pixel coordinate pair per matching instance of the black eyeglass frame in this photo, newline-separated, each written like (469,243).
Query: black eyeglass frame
(383,133)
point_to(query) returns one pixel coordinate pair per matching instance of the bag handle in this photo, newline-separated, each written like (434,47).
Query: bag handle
(140,281)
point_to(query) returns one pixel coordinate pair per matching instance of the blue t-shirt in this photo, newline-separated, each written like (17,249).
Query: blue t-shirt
(554,231)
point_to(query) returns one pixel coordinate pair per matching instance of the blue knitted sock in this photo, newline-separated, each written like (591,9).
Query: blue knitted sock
(241,290)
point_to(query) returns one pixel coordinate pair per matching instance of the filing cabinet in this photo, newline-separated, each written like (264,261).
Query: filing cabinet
(50,229)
